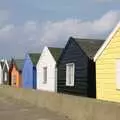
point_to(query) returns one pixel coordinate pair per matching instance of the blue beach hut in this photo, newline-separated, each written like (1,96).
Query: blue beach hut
(29,70)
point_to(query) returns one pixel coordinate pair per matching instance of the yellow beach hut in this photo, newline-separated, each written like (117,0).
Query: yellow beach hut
(108,68)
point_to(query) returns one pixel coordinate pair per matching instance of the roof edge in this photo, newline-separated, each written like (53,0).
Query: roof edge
(29,55)
(6,62)
(51,52)
(109,38)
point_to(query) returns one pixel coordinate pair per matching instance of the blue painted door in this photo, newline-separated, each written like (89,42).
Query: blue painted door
(34,78)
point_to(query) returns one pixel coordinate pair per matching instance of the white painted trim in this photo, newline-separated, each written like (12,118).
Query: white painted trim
(67,80)
(106,42)
(5,63)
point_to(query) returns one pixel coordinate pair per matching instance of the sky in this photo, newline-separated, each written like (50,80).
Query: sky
(29,25)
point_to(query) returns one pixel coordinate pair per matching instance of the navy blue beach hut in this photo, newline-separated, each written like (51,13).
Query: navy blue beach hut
(76,68)
(29,70)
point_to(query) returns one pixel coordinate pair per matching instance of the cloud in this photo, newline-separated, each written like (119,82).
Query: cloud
(58,32)
(107,21)
(33,35)
(4,16)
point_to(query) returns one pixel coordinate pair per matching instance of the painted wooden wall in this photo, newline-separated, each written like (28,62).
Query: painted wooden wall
(1,75)
(84,84)
(106,70)
(10,72)
(46,60)
(29,74)
(15,77)
(34,77)
(5,74)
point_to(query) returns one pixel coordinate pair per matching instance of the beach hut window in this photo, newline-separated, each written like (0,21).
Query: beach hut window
(70,71)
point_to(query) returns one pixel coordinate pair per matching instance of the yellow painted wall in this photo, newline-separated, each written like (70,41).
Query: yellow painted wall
(106,71)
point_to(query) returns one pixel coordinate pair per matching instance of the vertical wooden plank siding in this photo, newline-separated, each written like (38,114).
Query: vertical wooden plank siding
(17,77)
(106,70)
(27,73)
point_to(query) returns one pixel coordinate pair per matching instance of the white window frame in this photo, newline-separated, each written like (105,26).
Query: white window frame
(118,74)
(67,74)
(45,77)
(5,76)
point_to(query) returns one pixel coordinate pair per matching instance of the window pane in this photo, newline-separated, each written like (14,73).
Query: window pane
(5,76)
(45,75)
(70,74)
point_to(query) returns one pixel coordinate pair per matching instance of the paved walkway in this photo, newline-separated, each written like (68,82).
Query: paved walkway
(11,109)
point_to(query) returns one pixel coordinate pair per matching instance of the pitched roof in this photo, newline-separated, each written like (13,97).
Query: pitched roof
(2,64)
(19,64)
(56,52)
(9,63)
(89,46)
(107,41)
(6,64)
(34,57)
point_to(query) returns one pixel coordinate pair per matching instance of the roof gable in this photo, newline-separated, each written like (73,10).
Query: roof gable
(34,58)
(19,64)
(89,46)
(56,52)
(5,68)
(2,64)
(9,62)
(99,52)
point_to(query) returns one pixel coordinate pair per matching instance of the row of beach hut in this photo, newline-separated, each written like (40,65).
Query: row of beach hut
(84,67)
